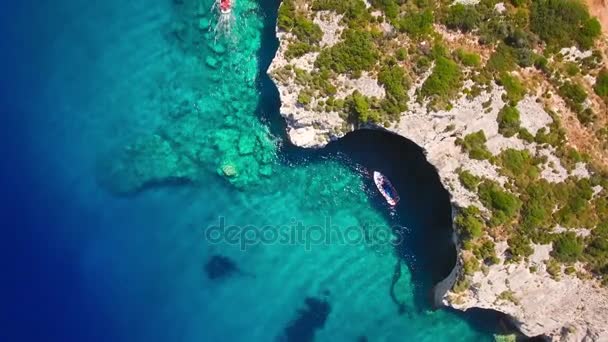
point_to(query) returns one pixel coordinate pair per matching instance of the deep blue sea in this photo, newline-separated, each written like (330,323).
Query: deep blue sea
(131,128)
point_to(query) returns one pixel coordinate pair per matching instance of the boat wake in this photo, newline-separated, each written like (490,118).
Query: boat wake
(226,19)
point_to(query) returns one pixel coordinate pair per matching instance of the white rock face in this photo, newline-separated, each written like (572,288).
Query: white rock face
(567,310)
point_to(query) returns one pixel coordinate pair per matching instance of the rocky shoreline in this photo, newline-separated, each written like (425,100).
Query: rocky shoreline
(568,309)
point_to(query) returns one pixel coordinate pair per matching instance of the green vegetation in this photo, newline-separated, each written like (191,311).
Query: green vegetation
(303,28)
(503,205)
(469,59)
(468,180)
(462,17)
(355,54)
(601,84)
(298,49)
(486,251)
(502,60)
(445,81)
(567,247)
(469,223)
(519,165)
(508,296)
(417,24)
(475,145)
(513,86)
(519,246)
(508,121)
(360,109)
(396,82)
(563,23)
(354,11)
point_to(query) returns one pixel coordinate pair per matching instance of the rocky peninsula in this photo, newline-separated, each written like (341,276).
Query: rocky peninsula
(510,113)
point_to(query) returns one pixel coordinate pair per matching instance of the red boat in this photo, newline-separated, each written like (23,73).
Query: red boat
(386,188)
(225,6)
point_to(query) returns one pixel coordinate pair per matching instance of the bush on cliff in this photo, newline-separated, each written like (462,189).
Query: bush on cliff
(563,23)
(396,83)
(567,247)
(475,145)
(469,223)
(462,17)
(445,80)
(417,24)
(503,205)
(303,28)
(601,84)
(355,54)
(508,121)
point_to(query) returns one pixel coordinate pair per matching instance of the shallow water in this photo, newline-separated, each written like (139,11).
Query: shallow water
(100,246)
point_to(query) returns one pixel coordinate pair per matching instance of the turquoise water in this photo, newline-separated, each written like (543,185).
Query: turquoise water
(137,128)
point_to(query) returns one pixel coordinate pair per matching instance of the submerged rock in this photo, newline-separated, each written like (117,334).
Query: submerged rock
(220,266)
(311,318)
(229,170)
(150,160)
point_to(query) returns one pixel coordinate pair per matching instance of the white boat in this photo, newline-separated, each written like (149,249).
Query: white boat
(386,188)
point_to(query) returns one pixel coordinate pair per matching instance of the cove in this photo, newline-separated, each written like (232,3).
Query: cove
(86,264)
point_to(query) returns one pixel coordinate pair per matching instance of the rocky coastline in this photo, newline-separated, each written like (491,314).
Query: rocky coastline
(564,309)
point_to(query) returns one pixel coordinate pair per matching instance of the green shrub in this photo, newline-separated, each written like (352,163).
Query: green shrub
(304,98)
(572,69)
(573,93)
(470,266)
(303,28)
(601,84)
(538,205)
(355,54)
(469,223)
(468,180)
(567,247)
(502,60)
(298,49)
(503,205)
(354,11)
(553,268)
(513,86)
(508,296)
(475,145)
(486,251)
(469,59)
(396,83)
(563,23)
(462,17)
(575,210)
(519,246)
(360,109)
(445,80)
(508,121)
(401,54)
(525,135)
(389,7)
(286,15)
(307,31)
(520,166)
(417,24)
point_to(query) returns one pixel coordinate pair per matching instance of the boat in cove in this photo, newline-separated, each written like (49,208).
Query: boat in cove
(386,188)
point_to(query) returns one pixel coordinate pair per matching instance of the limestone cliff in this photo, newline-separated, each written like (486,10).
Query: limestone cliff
(565,307)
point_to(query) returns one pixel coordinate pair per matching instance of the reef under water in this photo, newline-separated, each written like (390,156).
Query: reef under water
(153,130)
